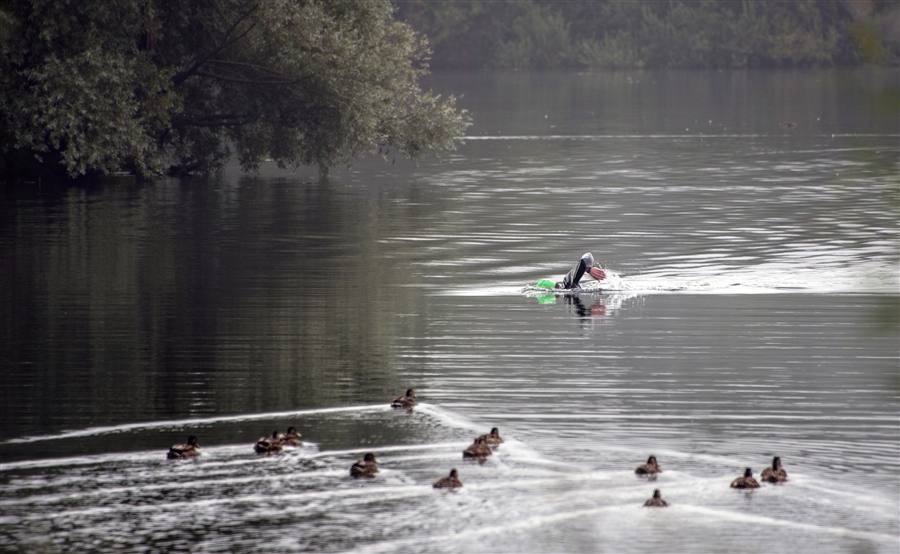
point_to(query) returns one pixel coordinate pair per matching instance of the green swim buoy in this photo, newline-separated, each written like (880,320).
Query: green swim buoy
(545,284)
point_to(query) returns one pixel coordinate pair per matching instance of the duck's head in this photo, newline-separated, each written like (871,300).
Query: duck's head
(275,434)
(652,461)
(454,474)
(369,457)
(776,463)
(748,472)
(495,432)
(292,431)
(410,393)
(656,494)
(192,440)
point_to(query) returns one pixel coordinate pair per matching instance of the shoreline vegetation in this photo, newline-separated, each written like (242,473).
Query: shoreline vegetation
(152,87)
(157,87)
(654,34)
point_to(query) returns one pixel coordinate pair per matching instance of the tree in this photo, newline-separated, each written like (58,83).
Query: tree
(100,86)
(540,38)
(655,33)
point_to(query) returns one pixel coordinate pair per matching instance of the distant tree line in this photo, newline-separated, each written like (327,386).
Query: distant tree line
(479,34)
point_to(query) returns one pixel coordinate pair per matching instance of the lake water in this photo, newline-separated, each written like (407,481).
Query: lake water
(750,311)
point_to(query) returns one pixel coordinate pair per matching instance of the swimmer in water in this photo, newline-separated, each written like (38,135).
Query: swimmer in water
(585,264)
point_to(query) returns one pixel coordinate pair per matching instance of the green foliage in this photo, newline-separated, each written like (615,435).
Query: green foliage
(654,33)
(540,39)
(145,85)
(7,24)
(464,33)
(617,50)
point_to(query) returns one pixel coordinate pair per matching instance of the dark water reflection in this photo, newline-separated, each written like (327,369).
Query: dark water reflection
(147,298)
(752,280)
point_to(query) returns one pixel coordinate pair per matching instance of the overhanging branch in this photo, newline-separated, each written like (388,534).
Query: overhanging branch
(182,76)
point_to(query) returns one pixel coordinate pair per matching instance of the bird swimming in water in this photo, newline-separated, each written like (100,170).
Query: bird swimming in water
(367,467)
(450,482)
(656,501)
(492,438)
(191,449)
(268,445)
(478,449)
(745,482)
(650,468)
(774,474)
(407,401)
(291,438)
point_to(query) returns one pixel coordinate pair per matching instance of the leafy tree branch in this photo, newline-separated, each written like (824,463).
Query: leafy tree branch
(150,86)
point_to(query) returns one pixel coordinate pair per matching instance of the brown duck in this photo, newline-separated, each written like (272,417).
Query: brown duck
(478,449)
(268,445)
(407,401)
(745,482)
(367,467)
(190,449)
(450,482)
(774,474)
(650,468)
(656,501)
(492,438)
(291,438)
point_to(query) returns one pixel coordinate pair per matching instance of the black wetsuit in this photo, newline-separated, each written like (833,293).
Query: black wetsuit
(572,278)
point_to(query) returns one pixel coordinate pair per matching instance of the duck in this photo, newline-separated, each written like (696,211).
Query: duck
(492,438)
(190,449)
(450,482)
(650,468)
(407,401)
(268,445)
(367,467)
(774,474)
(291,438)
(745,482)
(788,125)
(478,449)
(656,501)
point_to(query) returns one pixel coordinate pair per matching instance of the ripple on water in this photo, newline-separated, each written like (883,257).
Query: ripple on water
(518,500)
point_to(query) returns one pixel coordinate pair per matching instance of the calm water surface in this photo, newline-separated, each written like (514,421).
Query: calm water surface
(750,312)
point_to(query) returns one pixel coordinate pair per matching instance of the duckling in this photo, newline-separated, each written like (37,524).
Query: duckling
(450,482)
(189,450)
(367,467)
(291,438)
(478,449)
(406,402)
(650,468)
(745,482)
(774,474)
(268,445)
(656,501)
(492,438)
(788,125)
